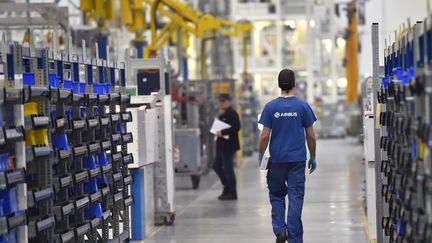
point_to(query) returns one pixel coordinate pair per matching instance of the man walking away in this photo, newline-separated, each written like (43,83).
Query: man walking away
(227,144)
(288,119)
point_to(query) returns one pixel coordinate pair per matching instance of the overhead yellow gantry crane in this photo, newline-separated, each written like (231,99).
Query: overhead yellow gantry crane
(181,16)
(192,21)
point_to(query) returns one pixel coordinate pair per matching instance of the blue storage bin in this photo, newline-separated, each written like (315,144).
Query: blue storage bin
(83,111)
(102,159)
(9,201)
(94,211)
(55,168)
(91,187)
(89,162)
(29,78)
(54,80)
(76,87)
(53,114)
(96,88)
(1,207)
(121,128)
(69,113)
(67,84)
(60,141)
(102,182)
(4,162)
(10,237)
(107,88)
(96,111)
(82,87)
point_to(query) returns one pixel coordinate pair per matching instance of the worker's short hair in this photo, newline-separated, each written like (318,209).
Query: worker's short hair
(224,97)
(286,79)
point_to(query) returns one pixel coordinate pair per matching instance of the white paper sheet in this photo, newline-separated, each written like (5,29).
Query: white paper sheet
(265,160)
(219,125)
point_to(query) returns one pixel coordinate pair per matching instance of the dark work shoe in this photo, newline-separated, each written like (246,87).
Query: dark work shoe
(224,193)
(228,197)
(281,238)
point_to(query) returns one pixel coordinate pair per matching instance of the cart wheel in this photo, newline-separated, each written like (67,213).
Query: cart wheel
(195,181)
(169,220)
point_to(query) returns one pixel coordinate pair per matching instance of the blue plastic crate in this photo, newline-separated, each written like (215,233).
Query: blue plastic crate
(102,159)
(91,187)
(102,182)
(69,113)
(96,88)
(94,211)
(54,80)
(4,162)
(107,87)
(96,111)
(10,237)
(75,87)
(83,111)
(72,85)
(82,87)
(9,201)
(67,84)
(60,141)
(121,128)
(89,162)
(29,78)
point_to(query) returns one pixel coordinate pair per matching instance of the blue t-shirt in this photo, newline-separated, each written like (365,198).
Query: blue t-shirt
(287,117)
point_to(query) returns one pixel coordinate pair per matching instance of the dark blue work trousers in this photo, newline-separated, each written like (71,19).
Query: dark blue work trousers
(224,168)
(283,179)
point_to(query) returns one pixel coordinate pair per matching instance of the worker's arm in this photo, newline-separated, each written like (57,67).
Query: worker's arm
(264,139)
(234,120)
(311,143)
(311,140)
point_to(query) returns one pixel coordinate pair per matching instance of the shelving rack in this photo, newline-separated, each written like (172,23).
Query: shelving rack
(63,147)
(403,142)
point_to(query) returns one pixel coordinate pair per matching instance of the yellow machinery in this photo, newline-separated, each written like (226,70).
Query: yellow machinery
(181,16)
(352,54)
(192,21)
(99,10)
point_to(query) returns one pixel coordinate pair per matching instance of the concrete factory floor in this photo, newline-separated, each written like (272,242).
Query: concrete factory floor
(331,212)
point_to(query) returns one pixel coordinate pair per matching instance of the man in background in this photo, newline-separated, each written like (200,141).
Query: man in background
(289,120)
(227,144)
